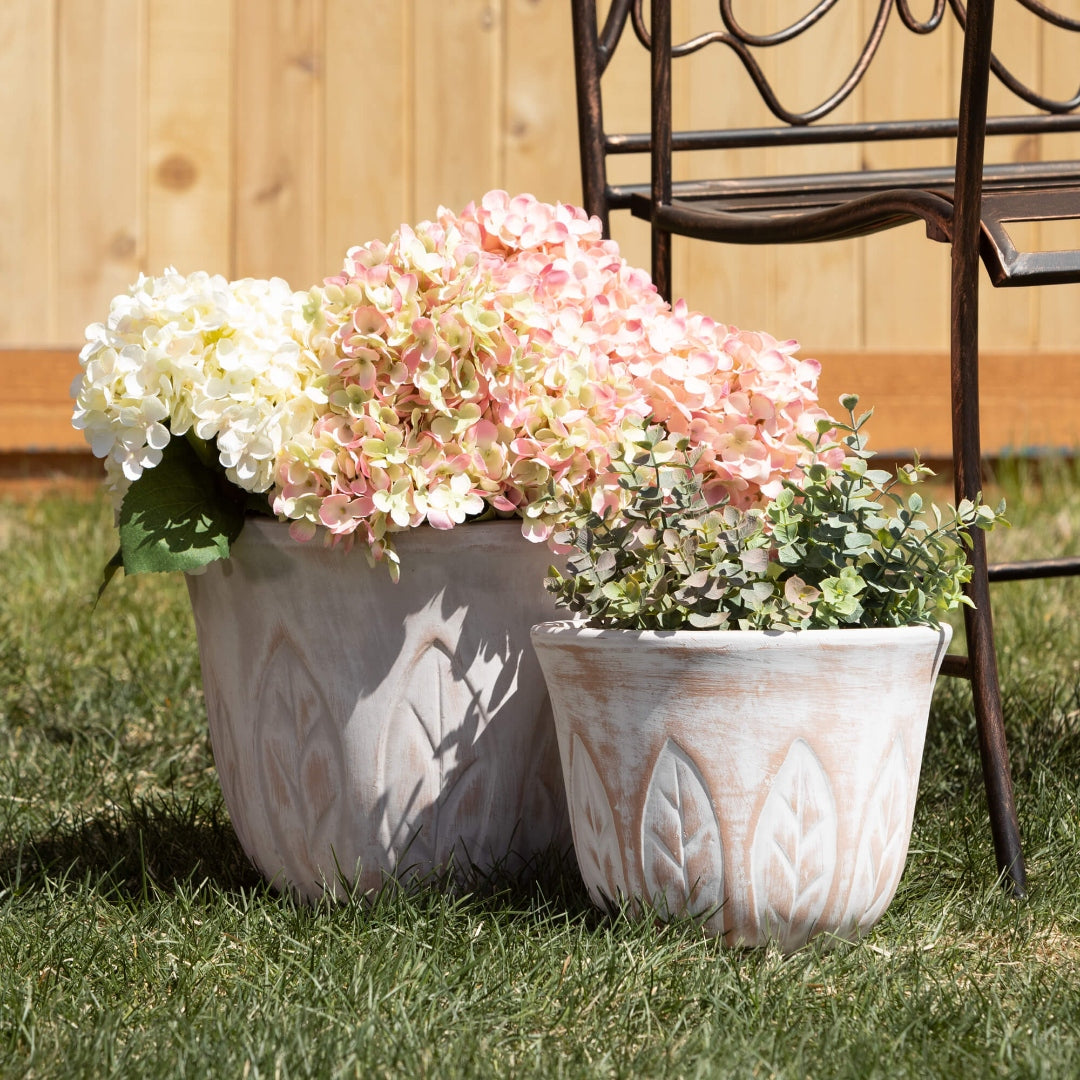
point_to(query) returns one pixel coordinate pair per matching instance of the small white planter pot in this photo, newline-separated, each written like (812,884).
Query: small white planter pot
(762,782)
(363,728)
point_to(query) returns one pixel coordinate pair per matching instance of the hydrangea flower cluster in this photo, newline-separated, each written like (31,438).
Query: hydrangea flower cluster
(499,357)
(745,402)
(226,360)
(470,368)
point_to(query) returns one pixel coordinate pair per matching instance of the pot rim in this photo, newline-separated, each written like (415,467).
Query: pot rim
(420,538)
(567,631)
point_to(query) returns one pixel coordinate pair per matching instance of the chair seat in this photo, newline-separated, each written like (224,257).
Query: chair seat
(815,207)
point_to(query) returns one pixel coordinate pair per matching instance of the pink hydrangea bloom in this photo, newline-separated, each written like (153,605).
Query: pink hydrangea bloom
(499,357)
(743,399)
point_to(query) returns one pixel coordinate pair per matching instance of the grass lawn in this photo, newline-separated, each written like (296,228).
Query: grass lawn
(136,941)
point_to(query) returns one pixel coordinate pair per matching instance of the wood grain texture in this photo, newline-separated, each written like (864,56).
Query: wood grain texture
(905,295)
(26,477)
(730,281)
(100,157)
(189,134)
(27,255)
(457,74)
(35,408)
(540,151)
(1059,305)
(368,133)
(1029,403)
(279,140)
(817,287)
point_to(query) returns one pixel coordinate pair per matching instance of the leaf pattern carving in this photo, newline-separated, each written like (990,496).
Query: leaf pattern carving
(596,841)
(883,844)
(235,782)
(793,856)
(301,762)
(437,788)
(680,838)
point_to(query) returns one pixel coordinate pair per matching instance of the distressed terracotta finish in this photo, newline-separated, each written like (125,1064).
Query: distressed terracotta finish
(764,782)
(362,728)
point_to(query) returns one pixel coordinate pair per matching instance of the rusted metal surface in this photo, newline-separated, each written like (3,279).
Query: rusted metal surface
(967,452)
(743,44)
(1035,569)
(968,206)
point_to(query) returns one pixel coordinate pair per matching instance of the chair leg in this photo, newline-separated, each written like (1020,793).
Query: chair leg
(967,451)
(989,719)
(661,262)
(979,623)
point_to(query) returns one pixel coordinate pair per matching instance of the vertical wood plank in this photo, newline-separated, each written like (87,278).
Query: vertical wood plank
(457,75)
(100,156)
(540,140)
(817,287)
(730,282)
(26,229)
(189,131)
(906,276)
(279,140)
(368,123)
(1059,304)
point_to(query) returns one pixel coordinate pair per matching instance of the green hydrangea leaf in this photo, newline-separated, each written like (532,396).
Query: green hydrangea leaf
(178,515)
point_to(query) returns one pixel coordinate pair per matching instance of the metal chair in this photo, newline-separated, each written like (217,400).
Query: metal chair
(968,206)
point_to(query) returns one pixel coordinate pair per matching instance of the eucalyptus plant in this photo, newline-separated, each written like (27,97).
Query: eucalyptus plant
(845,545)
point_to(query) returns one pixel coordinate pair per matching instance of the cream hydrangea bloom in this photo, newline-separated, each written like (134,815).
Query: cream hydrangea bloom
(499,359)
(225,360)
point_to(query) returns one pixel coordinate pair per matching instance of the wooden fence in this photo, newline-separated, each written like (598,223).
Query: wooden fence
(264,137)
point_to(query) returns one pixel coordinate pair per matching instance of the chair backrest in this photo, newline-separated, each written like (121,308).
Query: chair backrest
(595,46)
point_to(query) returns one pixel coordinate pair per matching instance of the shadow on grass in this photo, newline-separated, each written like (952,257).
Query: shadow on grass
(144,849)
(134,851)
(549,882)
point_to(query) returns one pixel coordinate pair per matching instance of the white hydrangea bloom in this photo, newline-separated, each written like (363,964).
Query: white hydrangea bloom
(227,360)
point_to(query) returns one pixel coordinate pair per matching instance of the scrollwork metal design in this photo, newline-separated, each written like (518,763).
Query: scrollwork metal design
(743,42)
(921,26)
(1055,18)
(1008,79)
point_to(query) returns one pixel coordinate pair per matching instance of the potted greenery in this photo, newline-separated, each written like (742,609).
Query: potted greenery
(742,705)
(474,368)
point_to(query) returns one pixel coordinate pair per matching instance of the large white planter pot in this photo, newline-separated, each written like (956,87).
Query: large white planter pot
(763,782)
(363,728)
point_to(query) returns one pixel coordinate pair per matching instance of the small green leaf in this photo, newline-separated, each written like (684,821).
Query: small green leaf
(711,621)
(612,591)
(877,477)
